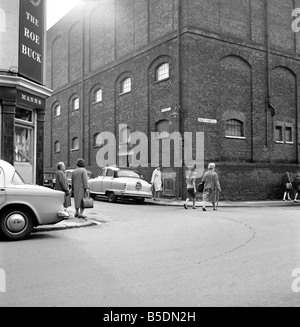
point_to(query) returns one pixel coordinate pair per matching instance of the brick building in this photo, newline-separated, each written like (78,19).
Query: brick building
(228,69)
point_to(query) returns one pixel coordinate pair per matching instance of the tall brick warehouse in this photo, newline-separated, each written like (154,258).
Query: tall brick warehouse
(229,69)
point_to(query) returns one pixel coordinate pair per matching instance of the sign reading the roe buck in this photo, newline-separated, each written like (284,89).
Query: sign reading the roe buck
(31,46)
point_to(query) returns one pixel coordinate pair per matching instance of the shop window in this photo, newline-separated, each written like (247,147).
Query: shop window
(75,144)
(234,128)
(56,147)
(57,111)
(98,96)
(126,86)
(24,115)
(278,134)
(76,104)
(23,144)
(162,127)
(162,72)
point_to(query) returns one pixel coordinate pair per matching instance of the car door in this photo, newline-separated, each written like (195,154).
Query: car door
(97,183)
(107,180)
(2,187)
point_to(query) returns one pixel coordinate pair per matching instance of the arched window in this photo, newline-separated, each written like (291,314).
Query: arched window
(98,95)
(56,147)
(97,140)
(57,110)
(75,144)
(126,85)
(75,103)
(162,72)
(234,128)
(162,127)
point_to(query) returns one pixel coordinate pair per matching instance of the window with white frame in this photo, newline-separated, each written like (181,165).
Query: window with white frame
(75,144)
(57,110)
(288,134)
(98,95)
(278,135)
(162,72)
(126,85)
(234,128)
(76,104)
(56,147)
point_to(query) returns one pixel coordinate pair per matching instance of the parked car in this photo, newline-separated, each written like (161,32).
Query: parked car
(116,182)
(68,173)
(24,206)
(48,179)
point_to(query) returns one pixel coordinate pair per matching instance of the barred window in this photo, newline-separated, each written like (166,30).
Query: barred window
(76,104)
(126,86)
(234,128)
(162,72)
(98,95)
(57,110)
(75,144)
(56,147)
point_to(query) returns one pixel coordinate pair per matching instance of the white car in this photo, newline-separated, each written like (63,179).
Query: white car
(114,183)
(24,206)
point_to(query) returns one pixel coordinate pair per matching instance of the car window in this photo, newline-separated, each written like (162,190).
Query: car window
(102,173)
(130,173)
(110,173)
(17,179)
(1,178)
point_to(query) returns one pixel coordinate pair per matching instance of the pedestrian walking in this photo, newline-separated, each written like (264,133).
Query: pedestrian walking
(156,182)
(296,185)
(62,184)
(287,185)
(212,186)
(191,188)
(80,187)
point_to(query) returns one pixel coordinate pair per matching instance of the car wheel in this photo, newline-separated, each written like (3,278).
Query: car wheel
(111,197)
(15,223)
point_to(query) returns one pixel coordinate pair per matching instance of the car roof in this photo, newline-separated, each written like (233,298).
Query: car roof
(71,170)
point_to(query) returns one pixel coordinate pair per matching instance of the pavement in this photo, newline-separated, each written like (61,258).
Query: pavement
(97,219)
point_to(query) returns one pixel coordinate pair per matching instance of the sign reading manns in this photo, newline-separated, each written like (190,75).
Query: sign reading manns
(31,44)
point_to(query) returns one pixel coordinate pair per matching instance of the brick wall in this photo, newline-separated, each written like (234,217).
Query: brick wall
(224,76)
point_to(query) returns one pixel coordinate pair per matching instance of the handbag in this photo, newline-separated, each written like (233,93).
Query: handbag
(200,187)
(87,202)
(289,186)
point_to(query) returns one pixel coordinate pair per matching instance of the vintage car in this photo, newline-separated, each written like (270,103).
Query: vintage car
(115,182)
(24,206)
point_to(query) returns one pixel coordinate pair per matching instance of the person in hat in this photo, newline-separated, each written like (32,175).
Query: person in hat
(156,182)
(212,186)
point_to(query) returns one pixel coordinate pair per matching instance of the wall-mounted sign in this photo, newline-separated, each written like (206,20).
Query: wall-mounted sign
(31,43)
(30,100)
(206,120)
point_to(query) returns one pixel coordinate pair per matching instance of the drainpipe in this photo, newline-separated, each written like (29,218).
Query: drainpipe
(267,100)
(82,84)
(180,111)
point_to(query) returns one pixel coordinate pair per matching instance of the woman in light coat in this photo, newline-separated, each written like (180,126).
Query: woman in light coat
(156,182)
(211,186)
(80,187)
(62,184)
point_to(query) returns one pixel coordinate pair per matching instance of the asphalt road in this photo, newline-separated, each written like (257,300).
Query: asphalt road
(147,255)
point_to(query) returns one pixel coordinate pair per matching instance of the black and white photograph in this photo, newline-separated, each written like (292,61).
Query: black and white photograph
(149,157)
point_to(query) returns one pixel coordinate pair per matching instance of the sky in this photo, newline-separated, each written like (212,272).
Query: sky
(56,9)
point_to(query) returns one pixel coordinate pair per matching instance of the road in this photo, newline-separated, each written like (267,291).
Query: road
(151,255)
